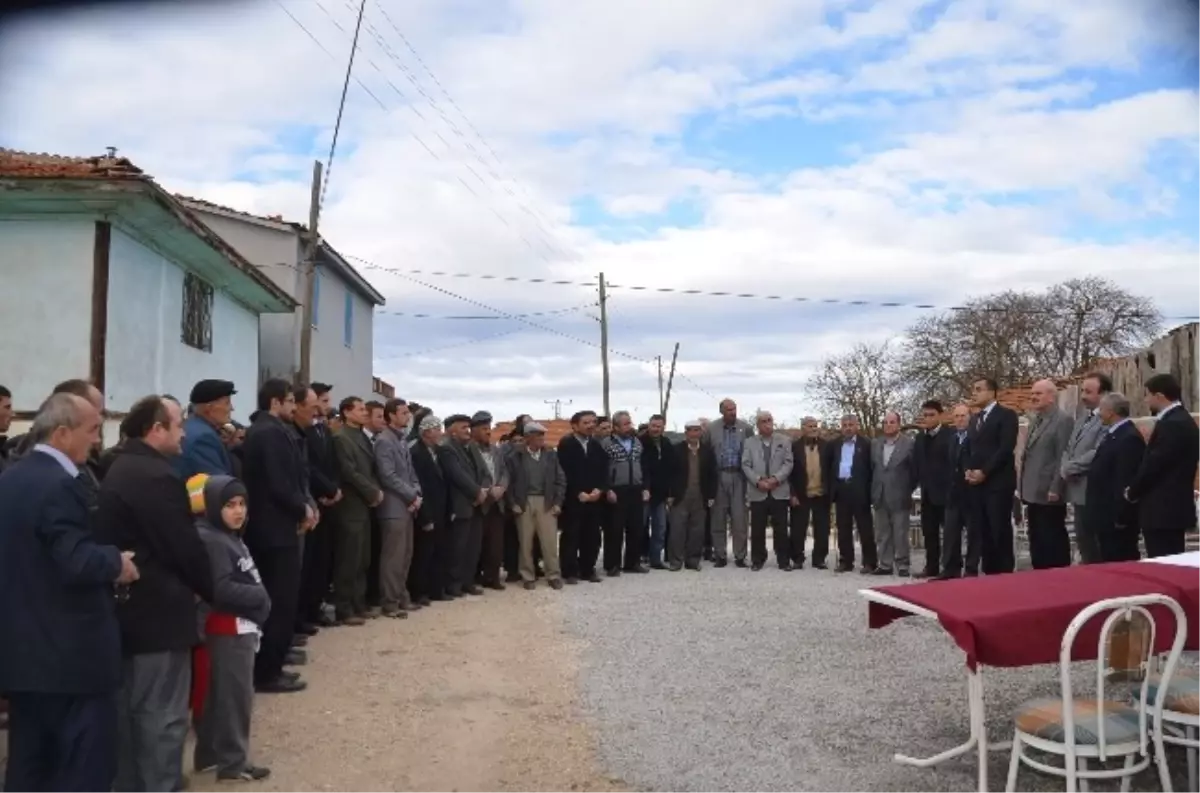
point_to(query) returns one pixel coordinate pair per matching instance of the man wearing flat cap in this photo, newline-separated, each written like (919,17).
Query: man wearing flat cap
(538,489)
(692,489)
(204,451)
(491,519)
(465,477)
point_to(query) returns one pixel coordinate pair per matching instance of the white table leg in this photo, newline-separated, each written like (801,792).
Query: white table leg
(978,739)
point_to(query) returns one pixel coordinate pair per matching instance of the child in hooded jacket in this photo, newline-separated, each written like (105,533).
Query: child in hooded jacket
(232,627)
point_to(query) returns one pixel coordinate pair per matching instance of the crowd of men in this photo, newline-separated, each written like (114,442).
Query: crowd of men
(381,510)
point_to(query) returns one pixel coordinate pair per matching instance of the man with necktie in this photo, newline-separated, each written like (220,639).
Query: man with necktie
(992,476)
(1077,461)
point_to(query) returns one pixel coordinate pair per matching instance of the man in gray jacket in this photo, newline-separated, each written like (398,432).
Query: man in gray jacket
(1077,460)
(725,438)
(1041,484)
(491,458)
(401,500)
(767,464)
(893,479)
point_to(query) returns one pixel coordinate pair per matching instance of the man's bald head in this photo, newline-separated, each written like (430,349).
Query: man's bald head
(1043,395)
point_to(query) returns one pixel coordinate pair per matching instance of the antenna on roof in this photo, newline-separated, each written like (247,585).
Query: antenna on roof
(112,152)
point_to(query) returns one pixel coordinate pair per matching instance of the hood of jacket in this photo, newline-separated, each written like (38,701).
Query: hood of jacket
(209,495)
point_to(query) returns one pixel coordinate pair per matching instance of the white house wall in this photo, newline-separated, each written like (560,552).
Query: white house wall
(348,369)
(145,353)
(46,305)
(276,254)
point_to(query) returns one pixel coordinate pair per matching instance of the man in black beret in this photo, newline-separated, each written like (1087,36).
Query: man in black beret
(464,474)
(204,451)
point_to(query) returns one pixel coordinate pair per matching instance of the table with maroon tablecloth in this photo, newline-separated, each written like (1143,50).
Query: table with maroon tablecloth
(1019,619)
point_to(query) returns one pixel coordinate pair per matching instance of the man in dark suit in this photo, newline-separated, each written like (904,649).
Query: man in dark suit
(429,572)
(992,476)
(932,459)
(848,481)
(144,507)
(61,664)
(958,504)
(361,493)
(585,463)
(323,484)
(281,509)
(1164,484)
(465,481)
(809,495)
(1114,521)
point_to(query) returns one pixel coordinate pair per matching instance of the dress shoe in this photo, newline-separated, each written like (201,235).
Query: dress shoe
(708,554)
(593,578)
(396,613)
(844,568)
(785,566)
(309,629)
(721,563)
(556,583)
(248,773)
(614,572)
(442,598)
(413,606)
(299,640)
(371,613)
(424,601)
(288,674)
(326,620)
(676,567)
(512,578)
(819,566)
(865,570)
(657,566)
(881,571)
(281,685)
(740,563)
(571,581)
(756,567)
(352,620)
(473,590)
(295,658)
(496,585)
(695,567)
(926,573)
(902,573)
(529,586)
(637,569)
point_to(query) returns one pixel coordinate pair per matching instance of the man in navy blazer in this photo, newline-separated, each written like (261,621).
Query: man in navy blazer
(204,451)
(61,664)
(1111,519)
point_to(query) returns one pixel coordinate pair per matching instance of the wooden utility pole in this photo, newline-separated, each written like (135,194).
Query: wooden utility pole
(310,276)
(604,340)
(670,380)
(558,403)
(661,406)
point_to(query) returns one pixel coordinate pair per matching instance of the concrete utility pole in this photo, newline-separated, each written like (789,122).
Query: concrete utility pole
(670,380)
(310,276)
(558,403)
(604,340)
(661,406)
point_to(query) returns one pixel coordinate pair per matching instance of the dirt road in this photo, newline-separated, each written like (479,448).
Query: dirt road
(478,694)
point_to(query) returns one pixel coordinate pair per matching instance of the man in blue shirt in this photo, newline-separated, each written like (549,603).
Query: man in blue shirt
(204,451)
(725,439)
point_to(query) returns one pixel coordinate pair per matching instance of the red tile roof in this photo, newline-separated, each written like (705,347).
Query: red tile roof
(38,165)
(556,430)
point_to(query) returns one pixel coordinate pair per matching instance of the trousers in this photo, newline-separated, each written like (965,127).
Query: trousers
(152,721)
(775,512)
(624,531)
(491,550)
(223,734)
(685,543)
(280,571)
(395,557)
(535,523)
(352,558)
(62,742)
(815,508)
(730,504)
(891,537)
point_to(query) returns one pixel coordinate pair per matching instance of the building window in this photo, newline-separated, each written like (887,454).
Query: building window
(348,328)
(316,295)
(197,313)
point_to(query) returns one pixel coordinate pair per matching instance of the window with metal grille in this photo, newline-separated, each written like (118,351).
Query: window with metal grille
(197,313)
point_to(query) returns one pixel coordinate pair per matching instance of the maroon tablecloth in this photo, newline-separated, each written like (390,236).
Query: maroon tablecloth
(1019,619)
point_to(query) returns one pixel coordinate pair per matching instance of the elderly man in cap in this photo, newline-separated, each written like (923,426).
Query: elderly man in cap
(491,520)
(538,488)
(204,450)
(427,574)
(691,490)
(466,480)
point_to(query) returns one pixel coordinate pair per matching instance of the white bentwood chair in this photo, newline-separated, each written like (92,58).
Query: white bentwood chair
(1079,730)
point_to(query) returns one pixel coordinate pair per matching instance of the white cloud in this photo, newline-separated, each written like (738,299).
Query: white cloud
(591,100)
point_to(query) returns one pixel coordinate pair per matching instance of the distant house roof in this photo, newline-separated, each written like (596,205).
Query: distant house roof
(329,257)
(34,183)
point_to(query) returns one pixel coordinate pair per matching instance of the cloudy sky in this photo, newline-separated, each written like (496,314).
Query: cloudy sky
(896,152)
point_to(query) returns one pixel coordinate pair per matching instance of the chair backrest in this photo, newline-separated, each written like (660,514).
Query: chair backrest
(1127,646)
(1140,628)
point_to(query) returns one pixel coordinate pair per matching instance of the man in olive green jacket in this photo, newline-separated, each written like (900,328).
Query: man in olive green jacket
(352,533)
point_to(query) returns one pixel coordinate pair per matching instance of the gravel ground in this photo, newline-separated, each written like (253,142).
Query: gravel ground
(735,680)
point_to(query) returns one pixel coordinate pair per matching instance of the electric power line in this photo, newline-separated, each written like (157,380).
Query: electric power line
(337,124)
(550,313)
(467,343)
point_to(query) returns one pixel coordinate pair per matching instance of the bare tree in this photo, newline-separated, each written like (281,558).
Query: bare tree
(864,381)
(1022,336)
